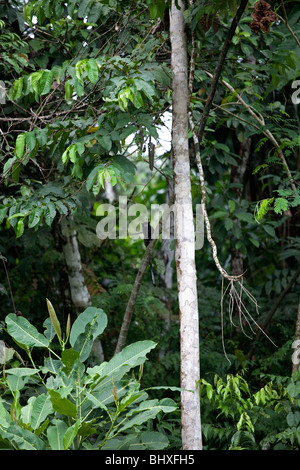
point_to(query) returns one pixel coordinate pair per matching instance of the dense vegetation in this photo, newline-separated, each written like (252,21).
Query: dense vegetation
(87,92)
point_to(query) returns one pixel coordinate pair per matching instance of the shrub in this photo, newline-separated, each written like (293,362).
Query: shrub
(64,404)
(236,418)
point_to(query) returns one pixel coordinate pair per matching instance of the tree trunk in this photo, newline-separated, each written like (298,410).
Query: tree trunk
(296,342)
(80,295)
(185,239)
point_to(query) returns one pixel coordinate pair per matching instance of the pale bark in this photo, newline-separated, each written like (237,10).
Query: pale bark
(295,366)
(80,295)
(185,239)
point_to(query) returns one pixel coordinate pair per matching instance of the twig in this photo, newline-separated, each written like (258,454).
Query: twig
(285,20)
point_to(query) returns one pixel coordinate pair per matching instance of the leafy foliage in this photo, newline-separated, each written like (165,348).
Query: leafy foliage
(70,403)
(241,419)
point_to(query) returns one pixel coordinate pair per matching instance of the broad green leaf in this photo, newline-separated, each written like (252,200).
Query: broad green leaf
(55,434)
(8,165)
(6,354)
(96,321)
(92,70)
(147,410)
(68,90)
(16,89)
(131,356)
(78,84)
(62,208)
(69,357)
(72,153)
(41,409)
(62,405)
(270,230)
(22,371)
(30,139)
(34,217)
(20,228)
(70,434)
(45,82)
(36,411)
(90,181)
(24,332)
(154,440)
(147,88)
(4,415)
(20,145)
(34,79)
(231,206)
(49,213)
(23,439)
(91,315)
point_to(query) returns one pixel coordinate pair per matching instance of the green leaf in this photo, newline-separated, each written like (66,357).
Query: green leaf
(280,205)
(16,89)
(55,434)
(23,438)
(270,230)
(22,371)
(154,440)
(45,82)
(30,140)
(148,409)
(231,206)
(24,332)
(70,434)
(20,145)
(62,405)
(37,411)
(131,356)
(69,357)
(68,90)
(34,217)
(34,79)
(92,70)
(86,328)
(49,213)
(20,228)
(263,208)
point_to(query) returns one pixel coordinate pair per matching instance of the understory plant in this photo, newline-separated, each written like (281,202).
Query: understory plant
(62,403)
(235,417)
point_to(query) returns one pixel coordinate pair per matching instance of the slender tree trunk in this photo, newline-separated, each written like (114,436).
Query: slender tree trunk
(297,338)
(80,295)
(185,238)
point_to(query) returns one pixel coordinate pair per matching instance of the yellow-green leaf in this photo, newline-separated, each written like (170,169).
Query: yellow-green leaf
(54,319)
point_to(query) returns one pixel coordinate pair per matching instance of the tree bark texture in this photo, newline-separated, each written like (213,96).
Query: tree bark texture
(185,238)
(80,295)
